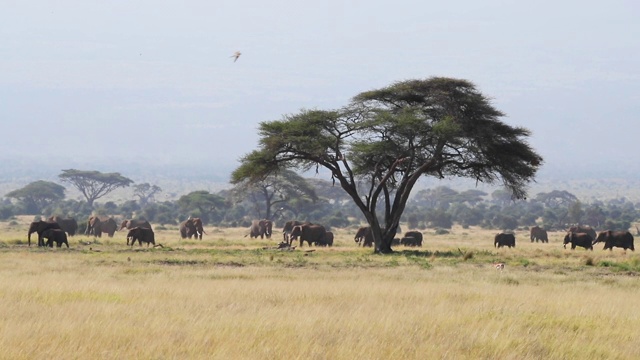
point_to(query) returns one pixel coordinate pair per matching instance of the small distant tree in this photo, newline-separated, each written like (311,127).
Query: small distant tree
(94,184)
(202,203)
(273,192)
(38,195)
(145,193)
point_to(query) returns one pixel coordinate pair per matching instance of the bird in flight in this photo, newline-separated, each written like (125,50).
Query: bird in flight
(236,55)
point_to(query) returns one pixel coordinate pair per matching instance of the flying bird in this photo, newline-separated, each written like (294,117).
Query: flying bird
(236,55)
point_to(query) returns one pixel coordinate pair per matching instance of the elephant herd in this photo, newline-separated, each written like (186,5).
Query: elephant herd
(57,229)
(577,236)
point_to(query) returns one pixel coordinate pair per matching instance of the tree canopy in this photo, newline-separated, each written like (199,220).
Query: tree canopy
(379,145)
(279,189)
(202,202)
(38,195)
(146,193)
(94,184)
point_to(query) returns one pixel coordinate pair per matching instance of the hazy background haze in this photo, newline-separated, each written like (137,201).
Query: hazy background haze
(101,85)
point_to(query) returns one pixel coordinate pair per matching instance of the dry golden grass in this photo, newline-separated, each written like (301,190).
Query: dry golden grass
(226,298)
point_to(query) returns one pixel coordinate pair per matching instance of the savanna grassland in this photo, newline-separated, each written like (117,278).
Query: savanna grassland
(226,297)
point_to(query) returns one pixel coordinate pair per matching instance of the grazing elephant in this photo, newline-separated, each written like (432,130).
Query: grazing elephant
(141,234)
(192,227)
(261,228)
(539,234)
(310,233)
(584,229)
(39,227)
(417,235)
(69,225)
(97,225)
(578,239)
(364,236)
(503,239)
(611,239)
(55,235)
(131,223)
(288,227)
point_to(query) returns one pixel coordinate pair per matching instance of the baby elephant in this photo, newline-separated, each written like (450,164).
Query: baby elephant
(55,235)
(141,234)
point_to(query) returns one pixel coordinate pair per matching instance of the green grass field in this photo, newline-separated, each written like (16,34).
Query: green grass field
(226,297)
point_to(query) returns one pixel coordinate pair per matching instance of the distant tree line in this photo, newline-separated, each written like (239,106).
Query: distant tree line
(290,196)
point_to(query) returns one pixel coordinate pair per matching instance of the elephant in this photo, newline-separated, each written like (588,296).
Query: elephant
(612,239)
(503,239)
(39,227)
(417,235)
(364,236)
(261,228)
(69,225)
(328,240)
(410,241)
(141,234)
(131,223)
(192,227)
(539,234)
(583,229)
(58,236)
(288,227)
(96,225)
(578,239)
(310,233)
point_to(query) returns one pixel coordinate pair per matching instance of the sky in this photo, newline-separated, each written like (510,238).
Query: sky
(154,82)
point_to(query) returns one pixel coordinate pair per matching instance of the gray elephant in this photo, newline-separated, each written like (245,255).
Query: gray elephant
(192,227)
(584,229)
(611,239)
(39,227)
(288,227)
(131,223)
(58,236)
(364,236)
(410,241)
(327,241)
(503,239)
(69,225)
(416,235)
(538,234)
(311,233)
(97,225)
(261,228)
(141,234)
(578,239)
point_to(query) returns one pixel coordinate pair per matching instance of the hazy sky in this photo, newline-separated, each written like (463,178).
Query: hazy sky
(155,79)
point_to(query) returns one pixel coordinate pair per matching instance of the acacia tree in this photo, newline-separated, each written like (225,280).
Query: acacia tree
(146,193)
(385,140)
(94,184)
(38,195)
(204,203)
(275,190)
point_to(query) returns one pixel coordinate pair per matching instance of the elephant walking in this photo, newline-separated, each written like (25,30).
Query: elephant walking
(503,239)
(539,234)
(39,227)
(58,236)
(611,239)
(141,234)
(417,238)
(97,225)
(578,239)
(364,236)
(311,233)
(288,227)
(261,228)
(192,227)
(584,229)
(131,223)
(69,225)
